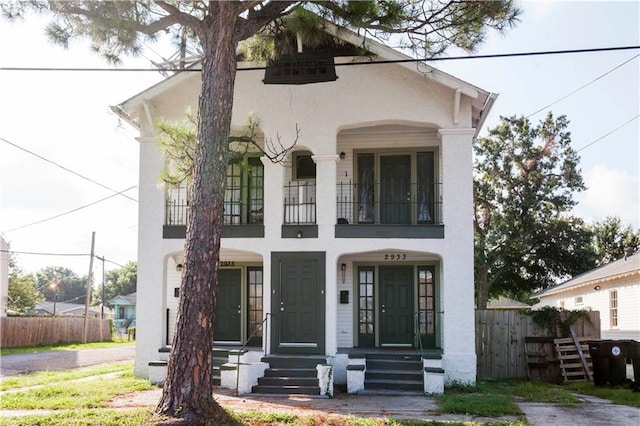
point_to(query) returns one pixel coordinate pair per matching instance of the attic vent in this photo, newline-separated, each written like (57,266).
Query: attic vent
(302,68)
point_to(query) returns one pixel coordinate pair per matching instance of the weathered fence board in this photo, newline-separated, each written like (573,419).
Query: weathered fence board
(500,340)
(34,331)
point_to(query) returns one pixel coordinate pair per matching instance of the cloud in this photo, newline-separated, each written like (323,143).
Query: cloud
(610,192)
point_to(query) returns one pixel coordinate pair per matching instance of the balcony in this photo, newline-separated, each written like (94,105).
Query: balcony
(242,217)
(389,210)
(300,210)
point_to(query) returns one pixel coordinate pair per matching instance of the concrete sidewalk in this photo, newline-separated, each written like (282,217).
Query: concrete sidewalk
(592,411)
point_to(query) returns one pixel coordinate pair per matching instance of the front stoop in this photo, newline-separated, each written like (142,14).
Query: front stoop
(292,375)
(394,372)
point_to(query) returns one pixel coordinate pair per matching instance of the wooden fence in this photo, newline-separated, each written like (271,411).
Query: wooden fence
(35,331)
(500,340)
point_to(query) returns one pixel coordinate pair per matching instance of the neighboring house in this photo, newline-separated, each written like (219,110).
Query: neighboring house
(124,309)
(506,304)
(613,289)
(362,242)
(67,309)
(4,277)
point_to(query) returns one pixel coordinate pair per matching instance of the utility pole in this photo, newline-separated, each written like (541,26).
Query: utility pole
(102,298)
(89,285)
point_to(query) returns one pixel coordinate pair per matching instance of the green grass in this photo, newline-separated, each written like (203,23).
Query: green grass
(47,377)
(73,395)
(67,347)
(621,395)
(136,417)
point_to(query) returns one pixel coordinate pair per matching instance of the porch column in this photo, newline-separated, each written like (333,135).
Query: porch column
(151,262)
(326,166)
(458,341)
(326,169)
(273,199)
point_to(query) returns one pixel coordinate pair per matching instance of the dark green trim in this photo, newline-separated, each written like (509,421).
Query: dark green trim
(433,370)
(308,231)
(389,231)
(358,367)
(174,231)
(228,231)
(276,258)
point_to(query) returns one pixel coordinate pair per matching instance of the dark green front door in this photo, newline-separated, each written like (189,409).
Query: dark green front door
(395,189)
(228,306)
(396,306)
(298,302)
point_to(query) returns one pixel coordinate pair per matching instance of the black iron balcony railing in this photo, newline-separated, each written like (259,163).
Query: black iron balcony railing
(300,202)
(389,204)
(239,208)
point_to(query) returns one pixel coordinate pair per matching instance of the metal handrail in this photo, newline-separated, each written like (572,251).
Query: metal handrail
(244,345)
(417,331)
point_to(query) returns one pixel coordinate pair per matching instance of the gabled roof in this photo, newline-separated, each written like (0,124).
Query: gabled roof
(622,268)
(505,303)
(482,100)
(63,308)
(126,299)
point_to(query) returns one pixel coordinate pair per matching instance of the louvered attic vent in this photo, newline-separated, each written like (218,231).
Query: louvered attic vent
(302,68)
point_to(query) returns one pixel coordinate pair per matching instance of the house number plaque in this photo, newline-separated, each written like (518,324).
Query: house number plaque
(228,263)
(395,256)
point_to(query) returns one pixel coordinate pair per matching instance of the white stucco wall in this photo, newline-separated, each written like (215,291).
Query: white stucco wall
(375,95)
(4,277)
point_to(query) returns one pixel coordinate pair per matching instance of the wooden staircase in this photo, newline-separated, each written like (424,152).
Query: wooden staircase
(394,372)
(290,375)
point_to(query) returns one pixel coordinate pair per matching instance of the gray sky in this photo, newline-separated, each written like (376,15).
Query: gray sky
(65,117)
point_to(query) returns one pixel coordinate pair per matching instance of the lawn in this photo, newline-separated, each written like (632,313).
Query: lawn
(117,341)
(78,401)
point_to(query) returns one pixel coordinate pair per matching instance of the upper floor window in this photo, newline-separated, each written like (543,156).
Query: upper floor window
(303,165)
(613,308)
(396,188)
(243,197)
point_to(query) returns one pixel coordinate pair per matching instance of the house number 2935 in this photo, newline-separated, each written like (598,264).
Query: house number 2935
(395,256)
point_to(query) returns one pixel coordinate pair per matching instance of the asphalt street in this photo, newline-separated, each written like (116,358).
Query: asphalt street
(62,360)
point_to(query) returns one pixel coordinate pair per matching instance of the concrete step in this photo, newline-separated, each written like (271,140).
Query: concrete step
(290,372)
(288,381)
(286,390)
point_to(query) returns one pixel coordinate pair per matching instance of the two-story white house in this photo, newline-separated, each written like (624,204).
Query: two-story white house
(359,245)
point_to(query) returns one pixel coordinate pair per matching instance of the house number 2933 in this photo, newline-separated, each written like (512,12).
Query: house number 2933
(395,256)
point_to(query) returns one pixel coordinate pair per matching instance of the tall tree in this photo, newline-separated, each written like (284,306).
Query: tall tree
(118,27)
(22,291)
(67,284)
(611,238)
(119,281)
(525,178)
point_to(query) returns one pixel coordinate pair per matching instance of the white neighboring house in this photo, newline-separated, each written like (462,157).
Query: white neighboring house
(4,277)
(613,289)
(362,243)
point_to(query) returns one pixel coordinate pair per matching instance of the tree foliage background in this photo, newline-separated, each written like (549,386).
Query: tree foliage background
(120,281)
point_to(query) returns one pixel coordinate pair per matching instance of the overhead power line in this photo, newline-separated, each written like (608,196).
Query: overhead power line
(70,211)
(607,134)
(43,253)
(583,86)
(67,169)
(347,64)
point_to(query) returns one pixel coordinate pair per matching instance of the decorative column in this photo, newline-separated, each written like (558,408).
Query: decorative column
(457,286)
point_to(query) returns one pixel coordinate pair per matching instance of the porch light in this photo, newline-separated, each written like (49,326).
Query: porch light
(343,268)
(342,155)
(179,267)
(299,234)
(597,288)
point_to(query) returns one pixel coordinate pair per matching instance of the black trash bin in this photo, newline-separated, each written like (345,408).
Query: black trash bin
(608,358)
(633,352)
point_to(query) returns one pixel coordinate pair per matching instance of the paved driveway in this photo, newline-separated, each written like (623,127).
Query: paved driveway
(62,360)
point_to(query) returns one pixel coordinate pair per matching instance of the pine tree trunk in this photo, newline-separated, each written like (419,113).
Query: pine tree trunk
(188,391)
(482,286)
